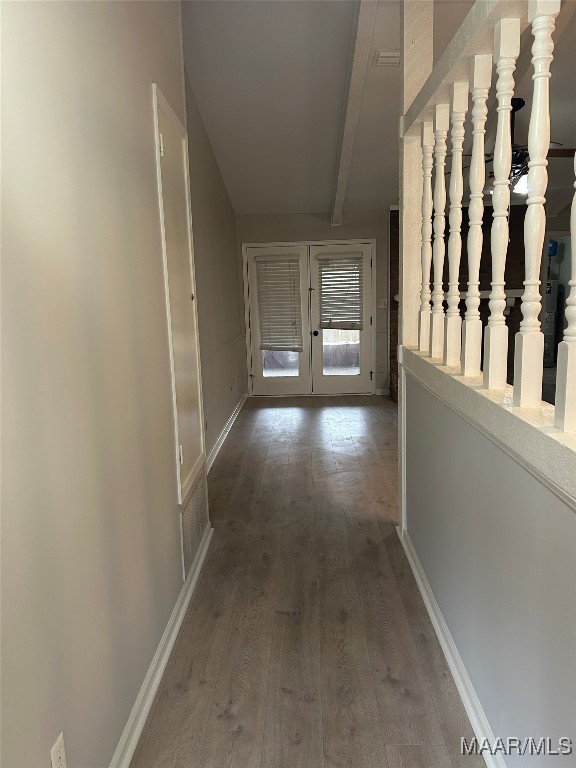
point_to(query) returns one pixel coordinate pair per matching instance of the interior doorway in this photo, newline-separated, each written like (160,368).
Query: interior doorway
(309,318)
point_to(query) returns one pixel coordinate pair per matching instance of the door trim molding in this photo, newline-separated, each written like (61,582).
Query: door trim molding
(341,241)
(371,241)
(248,333)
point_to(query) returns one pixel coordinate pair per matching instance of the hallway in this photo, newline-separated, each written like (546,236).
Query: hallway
(306,643)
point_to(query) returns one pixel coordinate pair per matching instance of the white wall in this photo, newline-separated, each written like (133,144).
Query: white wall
(316,226)
(220,291)
(499,551)
(91,559)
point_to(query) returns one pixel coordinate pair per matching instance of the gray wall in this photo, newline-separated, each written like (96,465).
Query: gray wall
(499,551)
(316,226)
(218,281)
(91,556)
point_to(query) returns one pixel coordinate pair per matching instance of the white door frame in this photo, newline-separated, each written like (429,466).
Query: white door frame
(161,105)
(350,241)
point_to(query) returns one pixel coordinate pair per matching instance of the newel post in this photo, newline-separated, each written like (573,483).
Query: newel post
(506,50)
(480,79)
(529,349)
(426,248)
(453,321)
(441,125)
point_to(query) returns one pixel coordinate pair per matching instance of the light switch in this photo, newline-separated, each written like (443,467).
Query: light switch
(382,303)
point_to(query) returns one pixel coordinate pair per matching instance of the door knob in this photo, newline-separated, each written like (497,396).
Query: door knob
(314,333)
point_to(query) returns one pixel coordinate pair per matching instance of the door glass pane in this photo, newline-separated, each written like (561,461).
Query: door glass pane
(280,363)
(340,352)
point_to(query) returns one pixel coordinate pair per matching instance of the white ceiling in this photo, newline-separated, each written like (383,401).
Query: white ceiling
(271,81)
(373,180)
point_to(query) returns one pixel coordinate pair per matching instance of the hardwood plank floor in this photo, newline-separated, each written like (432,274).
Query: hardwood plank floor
(306,644)
(419,757)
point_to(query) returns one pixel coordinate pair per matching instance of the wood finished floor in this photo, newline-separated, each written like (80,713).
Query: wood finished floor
(306,644)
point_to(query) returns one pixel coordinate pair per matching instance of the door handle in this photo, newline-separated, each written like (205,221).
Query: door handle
(314,333)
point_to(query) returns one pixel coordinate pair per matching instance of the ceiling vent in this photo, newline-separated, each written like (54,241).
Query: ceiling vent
(387,58)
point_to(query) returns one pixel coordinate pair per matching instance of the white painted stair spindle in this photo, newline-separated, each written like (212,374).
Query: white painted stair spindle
(565,413)
(453,321)
(506,50)
(529,348)
(480,77)
(441,125)
(426,252)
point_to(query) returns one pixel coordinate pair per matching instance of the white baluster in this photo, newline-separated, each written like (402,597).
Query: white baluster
(506,50)
(565,414)
(441,125)
(426,251)
(453,321)
(529,349)
(480,76)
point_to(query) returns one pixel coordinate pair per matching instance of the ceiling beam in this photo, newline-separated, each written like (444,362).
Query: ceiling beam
(362,45)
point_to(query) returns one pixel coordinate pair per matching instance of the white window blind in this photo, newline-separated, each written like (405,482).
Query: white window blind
(341,292)
(279,303)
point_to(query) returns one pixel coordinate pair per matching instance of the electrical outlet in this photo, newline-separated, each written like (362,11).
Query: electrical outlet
(381,368)
(58,753)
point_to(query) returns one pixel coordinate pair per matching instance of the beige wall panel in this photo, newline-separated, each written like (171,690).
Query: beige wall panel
(91,558)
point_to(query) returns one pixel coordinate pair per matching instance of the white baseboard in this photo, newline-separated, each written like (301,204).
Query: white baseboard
(476,715)
(382,392)
(224,434)
(135,725)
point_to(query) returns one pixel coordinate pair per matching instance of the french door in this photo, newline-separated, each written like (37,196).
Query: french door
(309,318)
(340,310)
(279,320)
